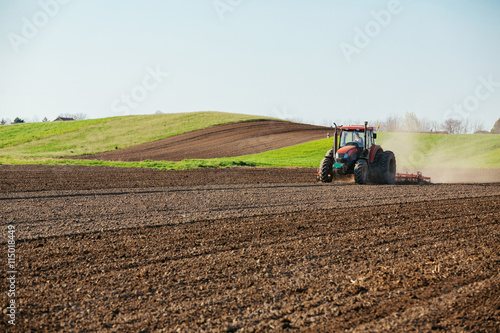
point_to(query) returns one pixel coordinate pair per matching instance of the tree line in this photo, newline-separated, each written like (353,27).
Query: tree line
(411,123)
(17,120)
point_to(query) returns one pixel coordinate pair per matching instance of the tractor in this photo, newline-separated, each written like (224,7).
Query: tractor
(354,152)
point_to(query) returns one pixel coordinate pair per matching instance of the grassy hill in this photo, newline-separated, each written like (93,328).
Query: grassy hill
(74,138)
(53,143)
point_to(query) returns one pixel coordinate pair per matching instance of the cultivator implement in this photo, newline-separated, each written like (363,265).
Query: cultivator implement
(410,178)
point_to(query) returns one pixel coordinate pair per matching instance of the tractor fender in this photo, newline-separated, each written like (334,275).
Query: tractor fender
(373,152)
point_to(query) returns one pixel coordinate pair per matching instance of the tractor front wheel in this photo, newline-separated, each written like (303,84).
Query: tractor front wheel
(326,170)
(361,172)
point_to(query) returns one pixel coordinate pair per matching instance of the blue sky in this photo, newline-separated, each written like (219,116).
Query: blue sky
(315,61)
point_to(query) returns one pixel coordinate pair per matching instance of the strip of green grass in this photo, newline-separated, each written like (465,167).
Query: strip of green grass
(74,138)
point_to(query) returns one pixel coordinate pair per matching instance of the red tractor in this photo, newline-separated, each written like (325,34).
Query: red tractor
(355,152)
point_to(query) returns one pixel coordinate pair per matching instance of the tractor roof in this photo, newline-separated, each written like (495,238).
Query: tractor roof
(355,128)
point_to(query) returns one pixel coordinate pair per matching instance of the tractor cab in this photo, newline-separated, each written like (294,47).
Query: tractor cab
(355,136)
(354,142)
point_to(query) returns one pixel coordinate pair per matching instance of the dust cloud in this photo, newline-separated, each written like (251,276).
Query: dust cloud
(435,160)
(461,175)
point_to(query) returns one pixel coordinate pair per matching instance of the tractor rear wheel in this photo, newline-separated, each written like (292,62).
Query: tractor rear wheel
(387,168)
(374,176)
(326,170)
(361,171)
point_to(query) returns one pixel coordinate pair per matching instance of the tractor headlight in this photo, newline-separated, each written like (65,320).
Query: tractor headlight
(341,155)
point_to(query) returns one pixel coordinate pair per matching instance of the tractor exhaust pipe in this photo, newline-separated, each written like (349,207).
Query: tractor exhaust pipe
(366,127)
(335,142)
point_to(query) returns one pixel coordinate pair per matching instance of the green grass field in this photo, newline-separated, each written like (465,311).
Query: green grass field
(53,143)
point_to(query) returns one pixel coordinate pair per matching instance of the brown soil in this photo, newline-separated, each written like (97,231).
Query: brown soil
(220,141)
(19,178)
(279,255)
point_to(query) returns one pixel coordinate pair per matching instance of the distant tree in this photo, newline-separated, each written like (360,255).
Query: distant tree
(3,122)
(80,116)
(158,112)
(425,125)
(392,124)
(429,125)
(18,121)
(496,127)
(466,127)
(45,119)
(477,126)
(452,126)
(411,123)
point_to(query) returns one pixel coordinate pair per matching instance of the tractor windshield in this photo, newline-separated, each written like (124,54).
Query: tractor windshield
(352,138)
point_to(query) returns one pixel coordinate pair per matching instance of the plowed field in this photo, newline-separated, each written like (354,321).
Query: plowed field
(103,249)
(220,141)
